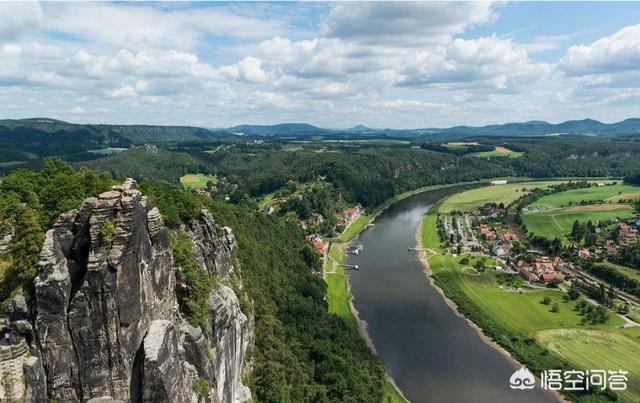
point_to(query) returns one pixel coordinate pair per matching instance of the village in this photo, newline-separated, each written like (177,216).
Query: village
(486,232)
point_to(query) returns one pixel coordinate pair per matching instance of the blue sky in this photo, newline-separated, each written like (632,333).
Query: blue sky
(426,64)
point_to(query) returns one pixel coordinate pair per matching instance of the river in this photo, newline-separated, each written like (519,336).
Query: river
(432,354)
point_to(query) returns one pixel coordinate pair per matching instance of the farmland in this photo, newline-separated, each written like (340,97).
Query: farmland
(498,152)
(610,193)
(107,151)
(599,349)
(488,300)
(475,198)
(557,223)
(197,181)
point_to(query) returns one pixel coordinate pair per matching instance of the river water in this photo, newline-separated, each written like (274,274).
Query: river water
(432,354)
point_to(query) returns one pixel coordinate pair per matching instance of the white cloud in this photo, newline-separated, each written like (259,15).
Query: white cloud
(138,27)
(618,52)
(405,23)
(18,18)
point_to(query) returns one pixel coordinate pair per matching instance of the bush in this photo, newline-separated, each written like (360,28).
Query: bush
(555,307)
(108,231)
(201,387)
(546,300)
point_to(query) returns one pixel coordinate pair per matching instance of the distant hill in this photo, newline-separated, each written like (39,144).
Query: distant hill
(537,128)
(282,129)
(530,128)
(24,140)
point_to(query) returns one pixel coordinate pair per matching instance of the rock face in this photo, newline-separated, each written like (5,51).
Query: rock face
(106,323)
(231,331)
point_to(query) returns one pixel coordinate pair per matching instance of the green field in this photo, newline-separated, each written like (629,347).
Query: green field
(373,142)
(498,152)
(107,151)
(516,311)
(475,198)
(558,222)
(599,349)
(197,181)
(627,271)
(604,346)
(611,193)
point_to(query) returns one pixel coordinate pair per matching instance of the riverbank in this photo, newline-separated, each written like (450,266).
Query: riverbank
(512,323)
(424,260)
(340,300)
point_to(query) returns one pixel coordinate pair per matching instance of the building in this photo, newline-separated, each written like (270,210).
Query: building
(269,210)
(552,276)
(498,182)
(527,275)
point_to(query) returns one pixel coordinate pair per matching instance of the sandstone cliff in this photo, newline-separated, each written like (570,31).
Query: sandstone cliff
(105,322)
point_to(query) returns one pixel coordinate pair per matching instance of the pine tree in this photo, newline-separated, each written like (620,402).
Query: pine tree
(25,250)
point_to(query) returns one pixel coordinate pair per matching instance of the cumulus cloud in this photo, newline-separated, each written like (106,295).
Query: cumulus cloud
(139,27)
(18,18)
(404,23)
(618,52)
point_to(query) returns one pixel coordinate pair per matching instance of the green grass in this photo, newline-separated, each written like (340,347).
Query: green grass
(603,346)
(375,142)
(575,196)
(516,311)
(627,271)
(498,152)
(107,151)
(475,198)
(391,395)
(600,349)
(558,223)
(197,181)
(338,295)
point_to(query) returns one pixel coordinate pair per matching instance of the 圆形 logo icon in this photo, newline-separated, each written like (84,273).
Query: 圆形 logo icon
(522,379)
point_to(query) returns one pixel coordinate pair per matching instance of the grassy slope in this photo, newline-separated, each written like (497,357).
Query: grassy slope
(589,347)
(558,223)
(475,198)
(498,152)
(613,192)
(196,181)
(604,349)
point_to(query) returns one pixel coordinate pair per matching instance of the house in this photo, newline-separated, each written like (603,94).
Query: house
(498,182)
(552,276)
(484,230)
(528,276)
(611,250)
(502,250)
(269,210)
(600,184)
(351,214)
(584,253)
(508,236)
(627,233)
(318,243)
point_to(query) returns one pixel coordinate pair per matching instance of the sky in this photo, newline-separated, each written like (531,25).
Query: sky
(381,64)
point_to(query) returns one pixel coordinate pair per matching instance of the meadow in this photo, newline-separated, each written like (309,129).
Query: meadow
(607,349)
(557,223)
(472,199)
(609,193)
(197,181)
(498,152)
(107,151)
(492,304)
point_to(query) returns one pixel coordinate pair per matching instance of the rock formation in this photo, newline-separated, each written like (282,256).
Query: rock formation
(105,322)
